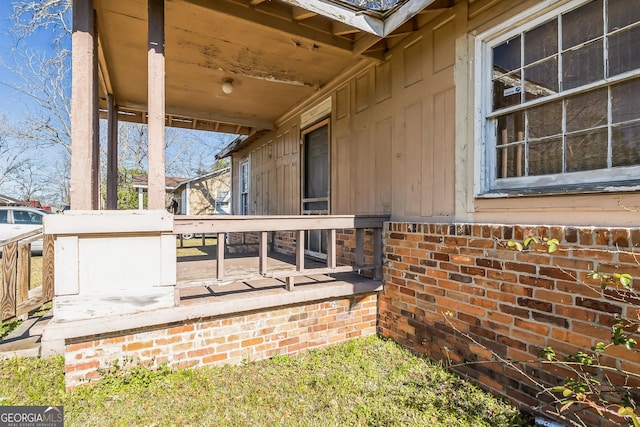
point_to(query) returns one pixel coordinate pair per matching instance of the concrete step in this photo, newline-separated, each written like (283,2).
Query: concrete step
(24,341)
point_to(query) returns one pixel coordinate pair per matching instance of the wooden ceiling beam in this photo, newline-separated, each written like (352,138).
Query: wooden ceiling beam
(405,29)
(363,43)
(341,29)
(291,28)
(203,116)
(299,14)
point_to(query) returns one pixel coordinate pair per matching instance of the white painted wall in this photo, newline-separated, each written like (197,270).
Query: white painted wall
(112,262)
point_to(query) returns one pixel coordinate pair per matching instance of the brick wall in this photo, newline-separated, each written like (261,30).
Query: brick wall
(284,242)
(509,302)
(226,340)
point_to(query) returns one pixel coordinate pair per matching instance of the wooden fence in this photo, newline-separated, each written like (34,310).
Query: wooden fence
(16,296)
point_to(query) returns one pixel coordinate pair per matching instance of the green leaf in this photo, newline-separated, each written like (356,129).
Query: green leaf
(566,392)
(517,245)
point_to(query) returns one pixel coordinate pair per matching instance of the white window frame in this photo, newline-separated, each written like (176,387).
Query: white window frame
(242,191)
(486,183)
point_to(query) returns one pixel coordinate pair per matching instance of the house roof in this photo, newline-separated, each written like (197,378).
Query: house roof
(213,174)
(275,53)
(171,182)
(378,5)
(9,201)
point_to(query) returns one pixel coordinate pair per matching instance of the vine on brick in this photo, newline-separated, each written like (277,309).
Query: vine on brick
(592,384)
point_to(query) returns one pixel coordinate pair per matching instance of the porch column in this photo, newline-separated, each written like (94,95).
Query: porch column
(112,154)
(84,109)
(156,105)
(140,199)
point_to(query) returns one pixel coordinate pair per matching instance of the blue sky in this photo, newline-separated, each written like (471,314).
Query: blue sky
(13,103)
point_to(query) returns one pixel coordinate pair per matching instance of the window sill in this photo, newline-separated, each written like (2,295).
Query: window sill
(564,190)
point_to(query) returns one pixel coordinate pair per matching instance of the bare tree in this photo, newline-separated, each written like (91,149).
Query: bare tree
(13,156)
(44,78)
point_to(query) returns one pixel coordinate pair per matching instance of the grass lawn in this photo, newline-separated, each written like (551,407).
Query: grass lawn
(193,247)
(362,382)
(36,270)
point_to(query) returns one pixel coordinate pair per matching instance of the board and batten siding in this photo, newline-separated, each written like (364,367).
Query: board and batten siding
(392,137)
(403,141)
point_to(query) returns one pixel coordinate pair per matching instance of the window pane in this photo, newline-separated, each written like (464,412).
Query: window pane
(545,157)
(510,128)
(587,151)
(626,145)
(625,101)
(541,42)
(506,57)
(34,218)
(583,65)
(3,217)
(623,13)
(510,161)
(545,120)
(582,24)
(623,51)
(587,110)
(506,91)
(541,79)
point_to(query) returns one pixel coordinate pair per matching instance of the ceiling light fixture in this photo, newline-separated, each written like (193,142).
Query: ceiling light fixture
(227,86)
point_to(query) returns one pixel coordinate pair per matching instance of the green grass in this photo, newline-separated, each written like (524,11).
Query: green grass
(363,382)
(193,247)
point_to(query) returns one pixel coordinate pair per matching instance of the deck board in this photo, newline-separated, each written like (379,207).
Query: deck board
(197,276)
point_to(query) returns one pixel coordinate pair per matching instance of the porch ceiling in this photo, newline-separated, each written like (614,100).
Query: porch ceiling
(277,52)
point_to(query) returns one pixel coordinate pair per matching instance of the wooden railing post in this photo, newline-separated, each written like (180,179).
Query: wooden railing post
(47,268)
(377,253)
(220,256)
(24,273)
(262,253)
(331,248)
(359,247)
(9,275)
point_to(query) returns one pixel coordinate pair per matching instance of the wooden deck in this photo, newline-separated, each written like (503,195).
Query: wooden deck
(197,276)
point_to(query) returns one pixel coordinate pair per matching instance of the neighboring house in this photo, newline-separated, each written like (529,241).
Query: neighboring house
(141,185)
(466,122)
(9,201)
(207,194)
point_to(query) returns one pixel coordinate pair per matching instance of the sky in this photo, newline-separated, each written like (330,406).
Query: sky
(14,103)
(16,106)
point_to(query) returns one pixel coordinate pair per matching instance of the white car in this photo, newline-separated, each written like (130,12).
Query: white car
(16,220)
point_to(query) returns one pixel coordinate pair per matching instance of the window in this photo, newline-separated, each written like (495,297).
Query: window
(26,217)
(561,100)
(3,217)
(244,188)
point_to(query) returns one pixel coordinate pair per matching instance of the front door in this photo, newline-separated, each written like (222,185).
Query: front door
(315,185)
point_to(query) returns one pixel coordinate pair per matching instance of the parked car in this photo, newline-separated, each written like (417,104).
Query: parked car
(16,220)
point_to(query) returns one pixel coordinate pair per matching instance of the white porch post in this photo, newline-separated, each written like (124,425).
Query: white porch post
(112,154)
(187,211)
(140,199)
(156,105)
(84,109)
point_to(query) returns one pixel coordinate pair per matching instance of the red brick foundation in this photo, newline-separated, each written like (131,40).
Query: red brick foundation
(508,302)
(228,339)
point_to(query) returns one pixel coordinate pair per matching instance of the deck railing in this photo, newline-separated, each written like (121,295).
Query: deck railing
(263,225)
(16,296)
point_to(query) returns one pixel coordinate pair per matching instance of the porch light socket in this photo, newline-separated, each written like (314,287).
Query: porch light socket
(227,86)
